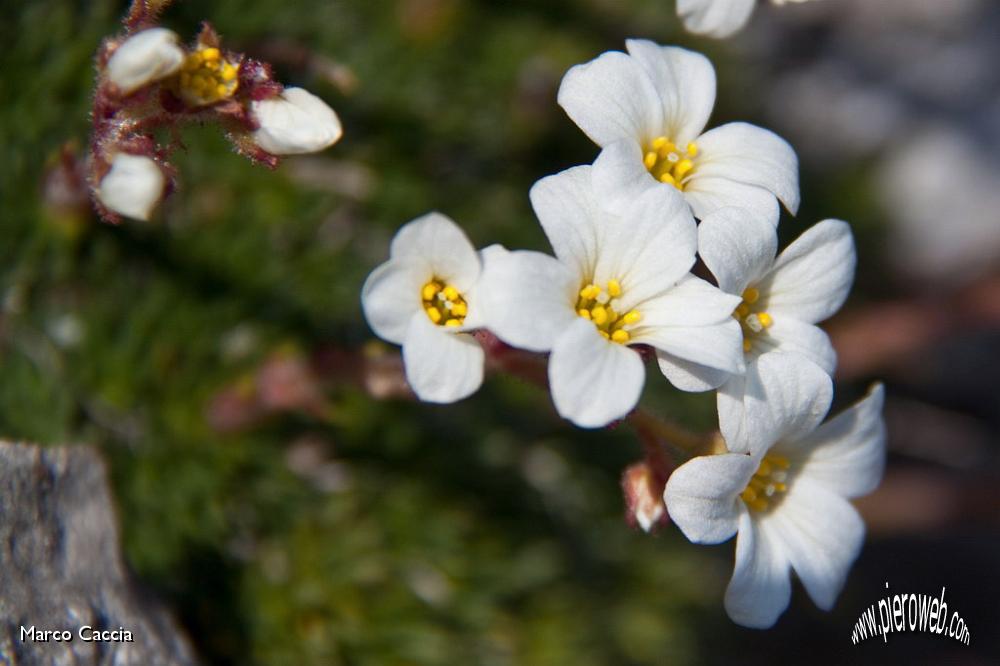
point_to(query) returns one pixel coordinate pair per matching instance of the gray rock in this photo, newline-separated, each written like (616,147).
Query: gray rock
(61,567)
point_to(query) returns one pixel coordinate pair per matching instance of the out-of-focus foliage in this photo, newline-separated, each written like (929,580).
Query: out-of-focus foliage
(365,531)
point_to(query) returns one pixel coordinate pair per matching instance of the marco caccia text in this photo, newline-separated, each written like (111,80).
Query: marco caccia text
(86,633)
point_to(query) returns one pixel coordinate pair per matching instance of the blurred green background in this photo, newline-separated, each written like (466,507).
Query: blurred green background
(217,355)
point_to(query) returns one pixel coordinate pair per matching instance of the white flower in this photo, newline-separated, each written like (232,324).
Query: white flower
(615,282)
(144,58)
(424,298)
(787,495)
(295,122)
(782,298)
(132,187)
(717,18)
(647,110)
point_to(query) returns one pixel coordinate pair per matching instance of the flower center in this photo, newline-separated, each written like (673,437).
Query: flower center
(600,306)
(443,303)
(752,321)
(769,480)
(668,163)
(206,77)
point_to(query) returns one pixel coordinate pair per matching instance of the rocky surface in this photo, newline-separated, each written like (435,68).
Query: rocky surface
(61,568)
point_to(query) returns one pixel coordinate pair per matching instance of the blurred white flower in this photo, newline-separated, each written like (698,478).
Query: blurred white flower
(295,122)
(615,281)
(424,298)
(132,187)
(647,110)
(786,496)
(718,18)
(782,298)
(144,58)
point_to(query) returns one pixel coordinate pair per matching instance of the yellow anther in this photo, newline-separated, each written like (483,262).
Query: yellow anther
(748,494)
(765,319)
(228,72)
(460,309)
(692,149)
(682,168)
(590,292)
(451,293)
(659,142)
(650,159)
(604,334)
(434,314)
(220,90)
(193,61)
(429,291)
(747,345)
(780,461)
(742,310)
(667,179)
(750,295)
(211,53)
(614,288)
(453,323)
(632,317)
(620,336)
(584,312)
(599,315)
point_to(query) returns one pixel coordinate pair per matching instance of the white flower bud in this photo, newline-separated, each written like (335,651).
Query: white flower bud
(295,122)
(133,187)
(145,57)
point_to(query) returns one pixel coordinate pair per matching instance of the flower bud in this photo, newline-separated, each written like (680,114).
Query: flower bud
(145,57)
(133,187)
(295,122)
(643,489)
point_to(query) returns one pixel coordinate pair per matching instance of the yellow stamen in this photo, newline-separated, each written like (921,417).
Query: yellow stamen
(207,77)
(211,53)
(460,309)
(667,179)
(682,169)
(434,314)
(750,295)
(650,159)
(452,323)
(451,293)
(692,149)
(767,483)
(429,291)
(595,304)
(765,319)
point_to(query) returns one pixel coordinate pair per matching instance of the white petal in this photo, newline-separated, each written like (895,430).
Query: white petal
(441,366)
(702,495)
(707,194)
(648,248)
(688,376)
(436,239)
(847,453)
(793,336)
(391,296)
(732,412)
(132,187)
(295,122)
(812,277)
(747,154)
(797,395)
(528,299)
(143,58)
(685,81)
(821,534)
(737,247)
(693,321)
(714,18)
(477,315)
(593,381)
(612,98)
(620,177)
(570,215)
(760,589)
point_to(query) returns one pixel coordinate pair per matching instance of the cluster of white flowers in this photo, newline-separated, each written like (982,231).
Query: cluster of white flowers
(626,233)
(150,79)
